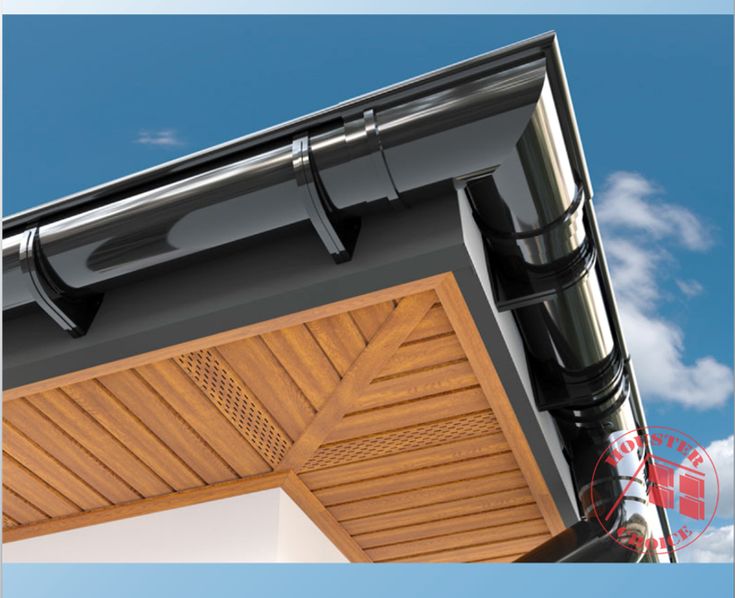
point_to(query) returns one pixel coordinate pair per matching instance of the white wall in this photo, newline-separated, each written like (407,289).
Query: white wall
(262,527)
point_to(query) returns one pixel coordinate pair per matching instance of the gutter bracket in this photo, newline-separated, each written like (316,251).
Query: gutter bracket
(337,232)
(71,310)
(542,283)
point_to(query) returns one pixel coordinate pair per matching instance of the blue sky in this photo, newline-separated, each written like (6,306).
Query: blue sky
(356,581)
(88,99)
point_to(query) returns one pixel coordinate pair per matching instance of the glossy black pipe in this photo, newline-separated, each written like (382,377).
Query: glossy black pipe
(538,240)
(613,495)
(367,158)
(542,46)
(497,131)
(573,354)
(530,212)
(583,542)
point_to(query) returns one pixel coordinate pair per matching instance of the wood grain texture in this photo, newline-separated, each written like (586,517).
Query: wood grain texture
(511,480)
(32,457)
(477,552)
(408,516)
(147,405)
(415,385)
(423,354)
(149,505)
(340,339)
(271,384)
(19,510)
(461,319)
(301,355)
(450,452)
(35,490)
(419,478)
(410,413)
(71,450)
(386,341)
(496,534)
(440,527)
(434,324)
(382,416)
(370,318)
(101,404)
(358,303)
(186,398)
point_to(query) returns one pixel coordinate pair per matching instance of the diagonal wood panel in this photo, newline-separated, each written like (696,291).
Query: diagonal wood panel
(109,410)
(410,413)
(297,350)
(386,341)
(19,510)
(171,382)
(238,404)
(157,415)
(99,468)
(25,482)
(32,457)
(250,360)
(373,414)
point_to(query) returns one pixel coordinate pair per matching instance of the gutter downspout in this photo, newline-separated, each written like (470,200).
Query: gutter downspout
(544,251)
(491,127)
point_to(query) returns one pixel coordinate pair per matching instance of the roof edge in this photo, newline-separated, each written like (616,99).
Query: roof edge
(542,45)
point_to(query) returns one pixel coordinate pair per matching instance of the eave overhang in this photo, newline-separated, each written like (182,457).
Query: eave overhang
(473,173)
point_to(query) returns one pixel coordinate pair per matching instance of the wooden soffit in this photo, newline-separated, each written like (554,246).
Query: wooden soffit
(382,416)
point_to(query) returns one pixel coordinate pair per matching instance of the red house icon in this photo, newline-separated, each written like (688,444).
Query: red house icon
(661,491)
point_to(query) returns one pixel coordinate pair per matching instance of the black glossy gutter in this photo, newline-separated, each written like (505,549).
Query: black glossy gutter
(500,127)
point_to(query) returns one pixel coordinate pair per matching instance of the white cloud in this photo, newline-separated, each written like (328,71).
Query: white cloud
(636,230)
(656,346)
(634,268)
(691,288)
(629,206)
(165,137)
(715,546)
(721,452)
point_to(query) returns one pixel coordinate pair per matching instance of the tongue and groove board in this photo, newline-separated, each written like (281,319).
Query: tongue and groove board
(381,416)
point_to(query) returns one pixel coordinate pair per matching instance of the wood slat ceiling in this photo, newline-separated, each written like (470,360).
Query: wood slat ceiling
(382,416)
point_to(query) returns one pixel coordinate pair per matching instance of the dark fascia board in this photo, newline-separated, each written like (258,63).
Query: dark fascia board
(34,349)
(541,46)
(277,278)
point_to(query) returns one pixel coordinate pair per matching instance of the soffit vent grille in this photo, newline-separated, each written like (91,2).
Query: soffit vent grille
(226,391)
(408,439)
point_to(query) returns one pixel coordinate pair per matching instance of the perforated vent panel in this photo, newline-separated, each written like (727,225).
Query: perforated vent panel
(217,381)
(376,415)
(468,426)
